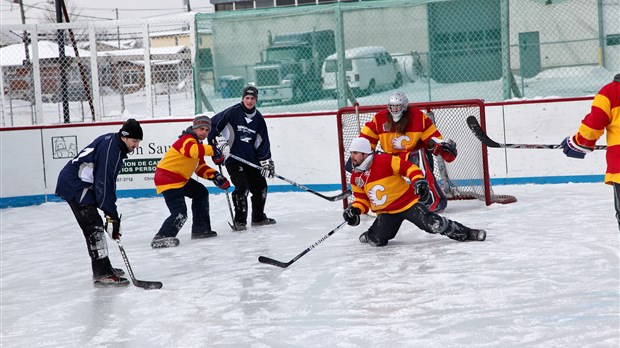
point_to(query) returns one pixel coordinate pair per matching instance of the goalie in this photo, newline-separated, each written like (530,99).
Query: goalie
(411,135)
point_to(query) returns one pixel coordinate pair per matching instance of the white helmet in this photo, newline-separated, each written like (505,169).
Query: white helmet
(397,105)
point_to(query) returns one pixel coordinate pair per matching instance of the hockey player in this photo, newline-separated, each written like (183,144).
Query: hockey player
(412,136)
(173,179)
(379,185)
(88,182)
(604,115)
(245,131)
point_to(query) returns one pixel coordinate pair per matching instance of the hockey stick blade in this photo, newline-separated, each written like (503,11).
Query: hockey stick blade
(147,285)
(270,261)
(144,284)
(475,127)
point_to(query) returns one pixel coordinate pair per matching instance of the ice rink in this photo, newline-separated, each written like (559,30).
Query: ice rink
(547,276)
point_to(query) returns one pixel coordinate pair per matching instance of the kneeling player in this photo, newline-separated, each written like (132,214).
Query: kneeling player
(378,184)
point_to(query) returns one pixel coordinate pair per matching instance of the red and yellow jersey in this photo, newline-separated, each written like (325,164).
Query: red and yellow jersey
(420,128)
(383,188)
(604,115)
(185,157)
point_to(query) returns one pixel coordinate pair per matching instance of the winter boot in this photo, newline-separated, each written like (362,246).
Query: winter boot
(203,235)
(364,237)
(478,235)
(110,281)
(240,226)
(240,201)
(164,242)
(263,222)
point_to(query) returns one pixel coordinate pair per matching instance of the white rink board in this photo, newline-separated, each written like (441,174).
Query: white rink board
(304,148)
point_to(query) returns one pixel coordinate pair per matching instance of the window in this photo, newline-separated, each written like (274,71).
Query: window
(264,3)
(285,2)
(223,7)
(242,5)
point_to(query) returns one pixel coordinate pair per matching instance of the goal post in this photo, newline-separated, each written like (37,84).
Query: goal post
(467,177)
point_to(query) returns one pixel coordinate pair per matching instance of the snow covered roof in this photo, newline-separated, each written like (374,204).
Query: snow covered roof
(358,52)
(140,51)
(14,55)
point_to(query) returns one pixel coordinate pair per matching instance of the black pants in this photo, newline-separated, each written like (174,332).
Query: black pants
(386,226)
(246,180)
(617,202)
(91,224)
(175,200)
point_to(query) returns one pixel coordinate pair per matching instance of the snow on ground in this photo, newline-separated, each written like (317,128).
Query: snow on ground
(547,276)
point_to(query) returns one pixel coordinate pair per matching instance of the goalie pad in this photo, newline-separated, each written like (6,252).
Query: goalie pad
(436,201)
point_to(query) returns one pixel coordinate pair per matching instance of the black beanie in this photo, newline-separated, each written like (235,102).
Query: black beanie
(250,90)
(131,129)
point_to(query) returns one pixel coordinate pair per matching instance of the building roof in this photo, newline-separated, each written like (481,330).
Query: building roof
(14,55)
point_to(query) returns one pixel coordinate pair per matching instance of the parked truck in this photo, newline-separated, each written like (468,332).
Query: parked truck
(290,70)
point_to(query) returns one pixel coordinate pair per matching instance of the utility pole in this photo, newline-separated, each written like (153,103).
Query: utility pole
(189,7)
(118,32)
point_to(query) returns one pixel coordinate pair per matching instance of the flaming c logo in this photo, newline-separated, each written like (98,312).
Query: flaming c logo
(377,195)
(400,142)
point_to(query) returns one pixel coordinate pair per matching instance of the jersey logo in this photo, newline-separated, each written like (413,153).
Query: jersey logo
(400,142)
(245,139)
(377,195)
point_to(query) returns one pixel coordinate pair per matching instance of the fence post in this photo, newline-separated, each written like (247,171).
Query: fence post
(36,76)
(148,82)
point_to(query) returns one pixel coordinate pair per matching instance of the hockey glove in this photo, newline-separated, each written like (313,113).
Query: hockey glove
(218,156)
(113,227)
(572,149)
(421,188)
(269,169)
(352,216)
(220,181)
(444,148)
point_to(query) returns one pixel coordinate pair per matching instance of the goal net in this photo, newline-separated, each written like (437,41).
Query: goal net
(467,177)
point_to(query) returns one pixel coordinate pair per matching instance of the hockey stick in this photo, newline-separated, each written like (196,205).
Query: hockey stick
(337,197)
(232,216)
(473,124)
(144,284)
(270,261)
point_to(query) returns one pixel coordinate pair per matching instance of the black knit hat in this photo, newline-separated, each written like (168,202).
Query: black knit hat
(250,90)
(131,129)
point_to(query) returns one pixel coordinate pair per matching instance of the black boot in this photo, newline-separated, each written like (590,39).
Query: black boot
(240,201)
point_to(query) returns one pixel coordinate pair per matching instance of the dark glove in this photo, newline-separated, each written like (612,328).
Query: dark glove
(444,148)
(269,169)
(218,156)
(421,188)
(572,149)
(220,181)
(113,227)
(352,215)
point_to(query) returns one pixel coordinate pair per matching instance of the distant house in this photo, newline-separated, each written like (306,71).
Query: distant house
(17,71)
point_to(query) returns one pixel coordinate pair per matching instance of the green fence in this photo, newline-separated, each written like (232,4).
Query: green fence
(432,50)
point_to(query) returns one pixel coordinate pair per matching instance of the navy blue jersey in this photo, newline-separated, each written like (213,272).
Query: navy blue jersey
(90,177)
(246,136)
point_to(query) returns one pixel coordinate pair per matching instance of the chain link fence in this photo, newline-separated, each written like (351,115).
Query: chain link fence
(87,71)
(309,58)
(315,58)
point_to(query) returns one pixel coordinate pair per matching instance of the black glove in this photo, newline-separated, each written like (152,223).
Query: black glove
(420,187)
(113,227)
(574,150)
(218,156)
(352,215)
(220,181)
(269,169)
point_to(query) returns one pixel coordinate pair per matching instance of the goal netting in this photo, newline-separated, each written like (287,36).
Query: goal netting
(467,177)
